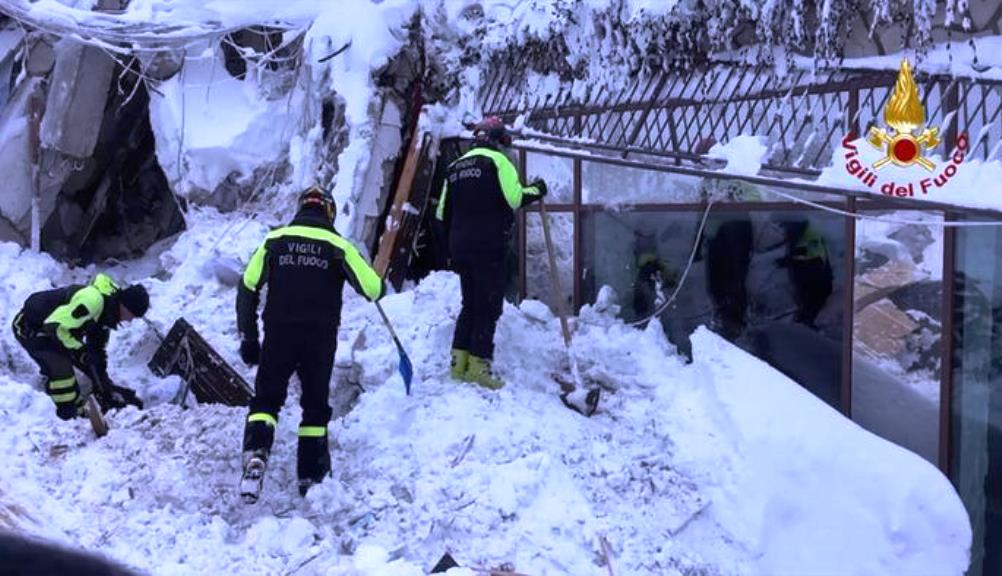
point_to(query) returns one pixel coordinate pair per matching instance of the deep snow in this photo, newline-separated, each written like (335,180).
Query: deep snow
(722,466)
(719,467)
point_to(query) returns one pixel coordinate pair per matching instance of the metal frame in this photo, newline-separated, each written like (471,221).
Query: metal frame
(852,202)
(668,121)
(946,361)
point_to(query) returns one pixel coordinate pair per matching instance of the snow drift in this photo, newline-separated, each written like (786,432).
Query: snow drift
(721,466)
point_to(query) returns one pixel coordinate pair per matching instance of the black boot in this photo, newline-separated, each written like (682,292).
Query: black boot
(258,437)
(313,462)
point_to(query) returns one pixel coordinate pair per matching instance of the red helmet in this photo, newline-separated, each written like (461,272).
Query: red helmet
(492,129)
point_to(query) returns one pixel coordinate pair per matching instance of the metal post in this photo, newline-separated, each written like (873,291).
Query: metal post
(578,267)
(848,304)
(946,347)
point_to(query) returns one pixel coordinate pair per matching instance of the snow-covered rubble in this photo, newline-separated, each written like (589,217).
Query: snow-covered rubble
(722,466)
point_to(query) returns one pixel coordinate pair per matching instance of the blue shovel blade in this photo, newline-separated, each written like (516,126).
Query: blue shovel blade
(406,372)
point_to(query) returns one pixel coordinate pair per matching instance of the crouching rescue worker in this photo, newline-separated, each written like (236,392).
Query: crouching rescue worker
(69,327)
(305,265)
(478,202)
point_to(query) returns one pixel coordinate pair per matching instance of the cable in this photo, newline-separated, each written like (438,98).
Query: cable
(685,273)
(860,216)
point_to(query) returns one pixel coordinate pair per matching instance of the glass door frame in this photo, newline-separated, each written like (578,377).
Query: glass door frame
(852,201)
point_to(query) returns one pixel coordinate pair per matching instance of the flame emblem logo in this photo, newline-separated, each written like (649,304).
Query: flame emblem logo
(904,113)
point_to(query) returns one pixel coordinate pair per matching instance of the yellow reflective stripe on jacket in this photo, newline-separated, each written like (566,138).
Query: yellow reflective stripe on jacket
(62,383)
(511,186)
(313,431)
(367,279)
(91,299)
(440,210)
(263,417)
(813,245)
(255,268)
(64,398)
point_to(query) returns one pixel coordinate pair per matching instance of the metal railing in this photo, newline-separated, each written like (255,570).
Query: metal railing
(803,115)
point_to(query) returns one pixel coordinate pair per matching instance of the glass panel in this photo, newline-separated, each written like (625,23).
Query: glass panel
(771,282)
(603,183)
(897,328)
(539,284)
(976,423)
(557,171)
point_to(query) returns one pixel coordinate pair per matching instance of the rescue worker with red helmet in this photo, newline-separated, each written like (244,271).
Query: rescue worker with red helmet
(305,266)
(481,192)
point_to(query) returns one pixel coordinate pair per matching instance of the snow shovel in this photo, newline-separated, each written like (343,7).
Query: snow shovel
(567,388)
(404,366)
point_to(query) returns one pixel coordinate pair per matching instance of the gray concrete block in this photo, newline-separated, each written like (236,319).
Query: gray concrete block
(78,93)
(15,159)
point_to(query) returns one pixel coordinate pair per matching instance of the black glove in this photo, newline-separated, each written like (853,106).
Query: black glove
(80,359)
(112,396)
(67,411)
(250,352)
(540,185)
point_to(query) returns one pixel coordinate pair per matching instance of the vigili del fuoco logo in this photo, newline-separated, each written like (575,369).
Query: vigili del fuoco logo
(904,142)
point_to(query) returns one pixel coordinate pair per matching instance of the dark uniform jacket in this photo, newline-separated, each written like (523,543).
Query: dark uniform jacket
(78,316)
(478,202)
(305,265)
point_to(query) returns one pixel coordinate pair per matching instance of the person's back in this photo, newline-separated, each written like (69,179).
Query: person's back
(306,275)
(305,266)
(482,190)
(482,218)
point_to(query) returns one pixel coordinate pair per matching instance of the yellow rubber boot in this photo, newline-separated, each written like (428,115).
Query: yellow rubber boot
(460,360)
(479,372)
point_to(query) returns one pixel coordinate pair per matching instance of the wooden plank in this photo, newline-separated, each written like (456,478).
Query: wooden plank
(403,189)
(405,248)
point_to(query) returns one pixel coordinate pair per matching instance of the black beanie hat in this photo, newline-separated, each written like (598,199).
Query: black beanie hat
(136,299)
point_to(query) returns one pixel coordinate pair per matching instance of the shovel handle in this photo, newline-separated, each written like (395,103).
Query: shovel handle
(554,276)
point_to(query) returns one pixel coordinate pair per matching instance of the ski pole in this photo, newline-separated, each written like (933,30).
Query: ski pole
(404,366)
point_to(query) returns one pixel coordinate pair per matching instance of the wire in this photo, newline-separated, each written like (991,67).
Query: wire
(685,273)
(860,216)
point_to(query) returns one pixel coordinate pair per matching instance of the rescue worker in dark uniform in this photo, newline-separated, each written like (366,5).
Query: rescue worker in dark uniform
(69,327)
(478,202)
(809,269)
(655,279)
(305,266)
(729,255)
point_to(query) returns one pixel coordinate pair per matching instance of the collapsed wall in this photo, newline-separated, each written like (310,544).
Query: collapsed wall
(78,151)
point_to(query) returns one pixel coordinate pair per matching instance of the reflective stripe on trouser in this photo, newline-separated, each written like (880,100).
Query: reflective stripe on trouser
(55,364)
(312,431)
(63,391)
(18,326)
(259,432)
(294,348)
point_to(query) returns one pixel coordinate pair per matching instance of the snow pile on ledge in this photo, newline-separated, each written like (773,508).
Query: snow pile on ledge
(959,179)
(722,466)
